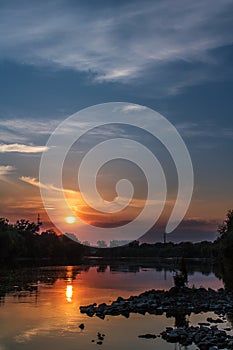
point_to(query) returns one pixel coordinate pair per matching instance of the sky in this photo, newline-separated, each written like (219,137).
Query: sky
(175,57)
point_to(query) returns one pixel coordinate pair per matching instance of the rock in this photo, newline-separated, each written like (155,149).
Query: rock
(204,337)
(175,300)
(183,301)
(82,326)
(230,344)
(89,310)
(147,336)
(172,336)
(101,307)
(203,346)
(119,299)
(100,315)
(101,338)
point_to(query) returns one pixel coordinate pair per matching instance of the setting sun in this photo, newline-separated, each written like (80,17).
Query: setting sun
(70,219)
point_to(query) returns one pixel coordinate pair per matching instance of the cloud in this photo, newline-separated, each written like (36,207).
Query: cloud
(34,182)
(22,130)
(33,126)
(206,129)
(199,223)
(120,42)
(136,108)
(19,148)
(6,170)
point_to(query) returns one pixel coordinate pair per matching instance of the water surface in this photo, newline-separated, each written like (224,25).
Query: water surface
(40,307)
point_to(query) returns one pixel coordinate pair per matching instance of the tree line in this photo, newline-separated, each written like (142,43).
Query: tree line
(22,241)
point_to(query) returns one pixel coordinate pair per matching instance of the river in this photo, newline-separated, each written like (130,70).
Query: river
(39,307)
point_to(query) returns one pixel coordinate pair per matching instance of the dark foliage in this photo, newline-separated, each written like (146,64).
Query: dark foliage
(223,246)
(21,242)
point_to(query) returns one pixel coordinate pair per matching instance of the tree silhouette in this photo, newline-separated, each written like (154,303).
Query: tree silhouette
(227,225)
(26,227)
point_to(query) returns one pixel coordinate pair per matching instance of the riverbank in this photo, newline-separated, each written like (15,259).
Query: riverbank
(177,303)
(176,300)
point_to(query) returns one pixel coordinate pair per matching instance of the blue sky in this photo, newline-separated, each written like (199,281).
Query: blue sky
(57,57)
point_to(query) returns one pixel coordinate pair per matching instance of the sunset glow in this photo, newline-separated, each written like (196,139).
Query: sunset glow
(192,93)
(70,219)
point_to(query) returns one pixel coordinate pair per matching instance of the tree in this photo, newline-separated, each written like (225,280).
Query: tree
(11,243)
(227,225)
(224,244)
(4,224)
(26,227)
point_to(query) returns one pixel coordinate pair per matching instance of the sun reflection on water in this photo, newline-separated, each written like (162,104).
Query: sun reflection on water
(69,293)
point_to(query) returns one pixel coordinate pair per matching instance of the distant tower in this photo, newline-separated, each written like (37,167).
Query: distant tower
(39,222)
(164,238)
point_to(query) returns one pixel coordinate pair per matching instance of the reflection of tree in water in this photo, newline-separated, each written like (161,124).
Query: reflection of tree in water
(181,320)
(230,318)
(225,273)
(124,267)
(101,268)
(228,275)
(25,282)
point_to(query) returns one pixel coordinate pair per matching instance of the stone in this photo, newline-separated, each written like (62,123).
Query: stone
(147,336)
(183,301)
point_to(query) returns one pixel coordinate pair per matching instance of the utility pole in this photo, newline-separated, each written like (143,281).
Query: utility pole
(39,222)
(164,238)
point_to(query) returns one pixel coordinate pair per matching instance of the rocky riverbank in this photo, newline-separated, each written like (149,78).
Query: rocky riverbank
(174,302)
(205,338)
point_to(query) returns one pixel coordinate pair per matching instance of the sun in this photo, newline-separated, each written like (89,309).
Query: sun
(70,219)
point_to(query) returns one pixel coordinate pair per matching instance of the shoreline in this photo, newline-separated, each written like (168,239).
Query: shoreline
(177,303)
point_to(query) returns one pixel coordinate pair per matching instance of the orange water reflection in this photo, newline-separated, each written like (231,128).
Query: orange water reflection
(69,276)
(69,293)
(52,320)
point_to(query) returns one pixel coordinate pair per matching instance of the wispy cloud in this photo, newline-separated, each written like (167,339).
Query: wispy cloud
(130,108)
(22,130)
(34,126)
(121,42)
(34,182)
(19,148)
(197,222)
(206,129)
